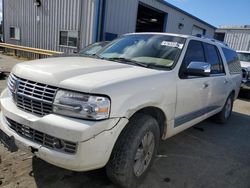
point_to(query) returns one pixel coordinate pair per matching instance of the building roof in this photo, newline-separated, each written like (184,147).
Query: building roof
(234,27)
(186,13)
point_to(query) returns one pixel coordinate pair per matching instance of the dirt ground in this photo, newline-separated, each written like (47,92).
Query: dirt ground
(207,155)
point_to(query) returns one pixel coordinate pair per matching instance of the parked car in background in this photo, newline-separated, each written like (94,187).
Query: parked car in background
(89,50)
(244,57)
(112,109)
(94,48)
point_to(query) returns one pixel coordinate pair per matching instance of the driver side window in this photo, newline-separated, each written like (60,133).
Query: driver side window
(195,52)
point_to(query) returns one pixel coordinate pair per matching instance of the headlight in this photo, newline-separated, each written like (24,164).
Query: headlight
(79,105)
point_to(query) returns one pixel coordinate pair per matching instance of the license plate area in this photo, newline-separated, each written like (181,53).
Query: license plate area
(8,142)
(14,145)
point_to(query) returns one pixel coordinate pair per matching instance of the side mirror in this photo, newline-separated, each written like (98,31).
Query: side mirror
(196,68)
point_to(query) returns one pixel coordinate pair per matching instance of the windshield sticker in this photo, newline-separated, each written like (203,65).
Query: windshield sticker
(172,44)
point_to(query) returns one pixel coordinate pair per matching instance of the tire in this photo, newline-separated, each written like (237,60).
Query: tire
(123,168)
(223,116)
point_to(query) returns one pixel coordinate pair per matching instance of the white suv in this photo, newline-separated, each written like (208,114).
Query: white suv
(84,113)
(244,57)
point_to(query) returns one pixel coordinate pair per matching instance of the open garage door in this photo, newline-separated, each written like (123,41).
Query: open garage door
(150,19)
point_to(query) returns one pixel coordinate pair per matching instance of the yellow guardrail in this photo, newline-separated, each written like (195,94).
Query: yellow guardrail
(28,49)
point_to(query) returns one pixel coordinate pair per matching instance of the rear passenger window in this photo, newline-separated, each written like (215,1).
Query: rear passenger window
(213,57)
(232,61)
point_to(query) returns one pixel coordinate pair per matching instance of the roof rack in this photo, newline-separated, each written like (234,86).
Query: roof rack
(211,39)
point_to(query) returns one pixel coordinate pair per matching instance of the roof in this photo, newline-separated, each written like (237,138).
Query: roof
(160,33)
(243,27)
(186,13)
(232,28)
(201,38)
(239,51)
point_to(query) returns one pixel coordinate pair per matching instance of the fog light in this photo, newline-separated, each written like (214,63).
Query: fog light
(58,144)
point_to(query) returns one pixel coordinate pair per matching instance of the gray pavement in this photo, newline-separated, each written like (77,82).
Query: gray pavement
(207,155)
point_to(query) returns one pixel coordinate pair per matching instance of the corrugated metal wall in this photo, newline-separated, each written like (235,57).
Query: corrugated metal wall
(238,39)
(121,17)
(40,26)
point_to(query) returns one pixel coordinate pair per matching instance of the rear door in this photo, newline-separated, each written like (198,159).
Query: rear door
(219,83)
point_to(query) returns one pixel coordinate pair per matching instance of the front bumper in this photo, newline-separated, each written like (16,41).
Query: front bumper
(95,139)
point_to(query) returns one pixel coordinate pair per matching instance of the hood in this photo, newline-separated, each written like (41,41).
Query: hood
(245,64)
(78,73)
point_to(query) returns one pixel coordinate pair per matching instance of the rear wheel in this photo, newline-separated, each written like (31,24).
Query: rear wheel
(134,151)
(223,116)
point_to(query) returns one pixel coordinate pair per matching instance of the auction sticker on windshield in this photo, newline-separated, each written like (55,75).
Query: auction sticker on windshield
(172,44)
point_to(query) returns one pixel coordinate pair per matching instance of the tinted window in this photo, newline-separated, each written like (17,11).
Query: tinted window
(12,32)
(232,61)
(195,52)
(15,33)
(212,57)
(68,38)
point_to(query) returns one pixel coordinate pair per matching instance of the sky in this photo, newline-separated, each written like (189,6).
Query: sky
(217,12)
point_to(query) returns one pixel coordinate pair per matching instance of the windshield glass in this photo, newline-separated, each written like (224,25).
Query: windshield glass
(244,56)
(149,49)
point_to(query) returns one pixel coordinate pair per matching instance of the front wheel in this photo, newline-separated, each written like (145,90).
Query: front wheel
(223,116)
(134,151)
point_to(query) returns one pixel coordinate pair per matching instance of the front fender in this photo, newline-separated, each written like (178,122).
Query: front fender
(130,96)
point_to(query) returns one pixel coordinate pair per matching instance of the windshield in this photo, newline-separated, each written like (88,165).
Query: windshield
(244,56)
(150,50)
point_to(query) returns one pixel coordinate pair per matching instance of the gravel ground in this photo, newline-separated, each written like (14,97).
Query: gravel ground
(207,155)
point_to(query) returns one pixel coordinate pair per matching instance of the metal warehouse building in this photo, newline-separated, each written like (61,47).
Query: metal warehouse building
(237,37)
(67,25)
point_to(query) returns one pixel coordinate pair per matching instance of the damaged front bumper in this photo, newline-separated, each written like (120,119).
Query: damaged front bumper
(86,145)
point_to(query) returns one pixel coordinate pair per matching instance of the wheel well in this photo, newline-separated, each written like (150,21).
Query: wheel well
(156,113)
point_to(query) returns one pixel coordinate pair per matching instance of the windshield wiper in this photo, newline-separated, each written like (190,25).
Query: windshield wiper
(125,60)
(154,65)
(133,62)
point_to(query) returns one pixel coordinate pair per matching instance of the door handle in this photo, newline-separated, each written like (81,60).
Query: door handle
(205,85)
(226,81)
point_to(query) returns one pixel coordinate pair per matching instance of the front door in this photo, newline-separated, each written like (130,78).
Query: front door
(192,92)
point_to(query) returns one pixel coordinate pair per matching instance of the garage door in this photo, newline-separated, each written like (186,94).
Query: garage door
(198,30)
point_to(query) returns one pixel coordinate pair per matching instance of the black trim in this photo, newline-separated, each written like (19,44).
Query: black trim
(3,22)
(103,18)
(193,115)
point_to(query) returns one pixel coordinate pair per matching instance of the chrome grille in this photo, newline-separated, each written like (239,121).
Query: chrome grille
(30,96)
(40,138)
